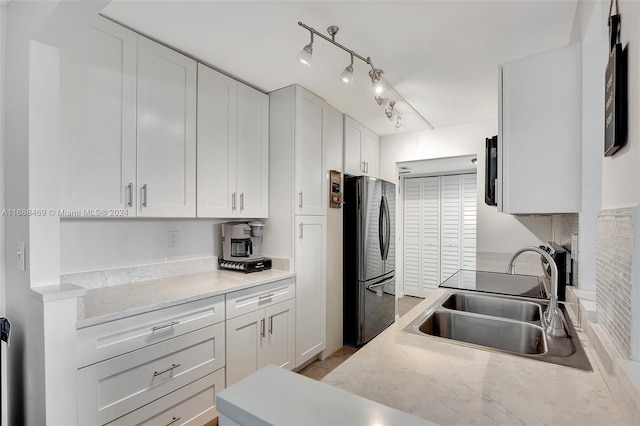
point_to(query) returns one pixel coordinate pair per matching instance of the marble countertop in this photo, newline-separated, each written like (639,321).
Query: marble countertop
(110,303)
(451,384)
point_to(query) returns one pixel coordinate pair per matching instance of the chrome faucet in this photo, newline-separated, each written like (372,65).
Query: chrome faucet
(553,320)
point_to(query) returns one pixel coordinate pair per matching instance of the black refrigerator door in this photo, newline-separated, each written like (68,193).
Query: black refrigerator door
(379,308)
(371,217)
(389,191)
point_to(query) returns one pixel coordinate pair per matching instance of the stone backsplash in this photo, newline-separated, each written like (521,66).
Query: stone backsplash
(614,262)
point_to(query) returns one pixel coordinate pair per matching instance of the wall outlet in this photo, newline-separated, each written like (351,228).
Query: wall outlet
(174,239)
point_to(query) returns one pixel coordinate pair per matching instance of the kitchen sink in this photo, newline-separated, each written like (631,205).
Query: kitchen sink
(494,306)
(510,336)
(503,324)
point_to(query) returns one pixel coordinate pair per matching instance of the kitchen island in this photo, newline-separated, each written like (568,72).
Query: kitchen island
(448,384)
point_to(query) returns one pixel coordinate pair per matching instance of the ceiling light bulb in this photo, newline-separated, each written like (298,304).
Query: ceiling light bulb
(347,74)
(376,79)
(305,55)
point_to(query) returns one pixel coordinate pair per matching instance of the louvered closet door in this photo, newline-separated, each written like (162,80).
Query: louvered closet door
(469,213)
(412,244)
(422,233)
(451,226)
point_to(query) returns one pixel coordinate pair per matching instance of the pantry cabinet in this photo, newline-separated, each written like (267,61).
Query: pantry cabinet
(361,147)
(98,119)
(166,134)
(539,133)
(233,144)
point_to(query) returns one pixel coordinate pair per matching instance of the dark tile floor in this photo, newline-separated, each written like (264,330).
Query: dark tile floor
(318,369)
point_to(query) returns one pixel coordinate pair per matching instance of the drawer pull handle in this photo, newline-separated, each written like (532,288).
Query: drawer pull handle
(173,420)
(160,327)
(173,367)
(271,324)
(267,296)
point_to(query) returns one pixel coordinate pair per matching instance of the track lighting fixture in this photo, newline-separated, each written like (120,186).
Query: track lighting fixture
(305,55)
(347,74)
(380,85)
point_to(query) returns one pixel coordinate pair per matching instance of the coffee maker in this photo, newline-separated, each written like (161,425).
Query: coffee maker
(241,247)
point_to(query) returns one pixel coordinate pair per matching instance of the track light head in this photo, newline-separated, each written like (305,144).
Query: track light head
(390,110)
(305,55)
(398,123)
(376,78)
(379,100)
(347,75)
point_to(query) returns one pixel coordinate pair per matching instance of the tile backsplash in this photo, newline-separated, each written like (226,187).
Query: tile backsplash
(614,262)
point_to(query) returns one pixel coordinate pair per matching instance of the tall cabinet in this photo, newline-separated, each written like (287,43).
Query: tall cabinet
(297,228)
(439,230)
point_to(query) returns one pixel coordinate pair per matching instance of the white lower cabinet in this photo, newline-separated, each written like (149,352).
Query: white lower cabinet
(261,337)
(192,405)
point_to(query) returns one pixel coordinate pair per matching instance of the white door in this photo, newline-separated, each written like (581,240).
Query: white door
(98,119)
(310,261)
(245,345)
(280,335)
(353,140)
(166,161)
(310,175)
(252,171)
(217,105)
(370,145)
(412,244)
(451,235)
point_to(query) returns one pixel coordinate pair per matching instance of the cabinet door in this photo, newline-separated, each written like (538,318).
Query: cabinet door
(370,145)
(310,175)
(353,138)
(166,132)
(253,153)
(217,104)
(540,128)
(245,345)
(98,119)
(310,261)
(281,337)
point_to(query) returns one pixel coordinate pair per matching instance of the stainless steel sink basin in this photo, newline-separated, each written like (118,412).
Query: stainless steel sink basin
(510,336)
(494,306)
(503,324)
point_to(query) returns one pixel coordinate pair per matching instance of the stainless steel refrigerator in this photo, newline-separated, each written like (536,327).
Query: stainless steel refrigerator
(369,304)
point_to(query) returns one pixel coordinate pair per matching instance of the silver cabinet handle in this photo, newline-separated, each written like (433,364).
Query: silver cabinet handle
(144,195)
(130,195)
(267,296)
(364,167)
(271,324)
(367,167)
(301,230)
(166,370)
(241,201)
(160,327)
(173,420)
(300,195)
(262,327)
(233,201)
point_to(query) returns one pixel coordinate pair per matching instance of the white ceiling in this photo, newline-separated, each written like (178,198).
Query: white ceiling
(442,56)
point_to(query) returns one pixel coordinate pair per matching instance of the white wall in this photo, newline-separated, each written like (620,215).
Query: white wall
(88,244)
(497,232)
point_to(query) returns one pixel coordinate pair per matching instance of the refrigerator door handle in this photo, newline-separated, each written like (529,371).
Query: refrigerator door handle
(381,228)
(383,283)
(386,240)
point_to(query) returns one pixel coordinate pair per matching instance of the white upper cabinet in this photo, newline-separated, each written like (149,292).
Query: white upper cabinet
(217,118)
(98,119)
(252,160)
(539,133)
(233,147)
(360,149)
(310,175)
(166,142)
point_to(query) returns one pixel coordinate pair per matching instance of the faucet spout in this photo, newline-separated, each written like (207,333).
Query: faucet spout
(553,319)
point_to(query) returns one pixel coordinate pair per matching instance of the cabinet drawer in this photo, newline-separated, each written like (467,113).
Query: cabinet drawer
(119,385)
(248,300)
(103,341)
(192,405)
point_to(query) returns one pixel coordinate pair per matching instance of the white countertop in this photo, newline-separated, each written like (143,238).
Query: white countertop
(274,396)
(109,303)
(449,384)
